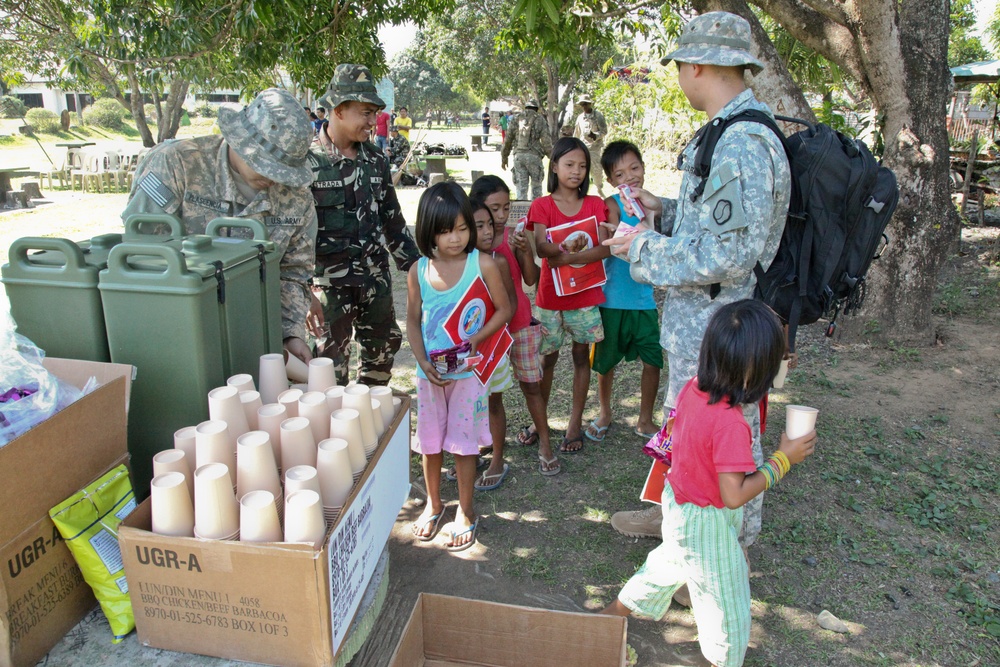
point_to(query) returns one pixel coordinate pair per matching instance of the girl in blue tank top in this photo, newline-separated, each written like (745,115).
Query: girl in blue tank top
(452,414)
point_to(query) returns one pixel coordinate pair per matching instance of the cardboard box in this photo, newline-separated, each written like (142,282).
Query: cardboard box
(42,593)
(279,604)
(445,631)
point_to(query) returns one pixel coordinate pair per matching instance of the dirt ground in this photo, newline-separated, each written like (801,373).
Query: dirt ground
(891,526)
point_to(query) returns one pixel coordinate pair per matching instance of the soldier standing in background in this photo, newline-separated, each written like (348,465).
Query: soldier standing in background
(590,128)
(529,139)
(256,168)
(357,209)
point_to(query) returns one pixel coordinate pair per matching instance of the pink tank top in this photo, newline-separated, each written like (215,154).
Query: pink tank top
(522,317)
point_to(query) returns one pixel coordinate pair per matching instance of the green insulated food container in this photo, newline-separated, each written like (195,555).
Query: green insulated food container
(51,284)
(153,227)
(187,315)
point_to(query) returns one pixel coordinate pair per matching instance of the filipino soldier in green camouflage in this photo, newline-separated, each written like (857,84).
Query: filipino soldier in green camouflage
(717,236)
(255,169)
(591,128)
(360,225)
(399,147)
(529,139)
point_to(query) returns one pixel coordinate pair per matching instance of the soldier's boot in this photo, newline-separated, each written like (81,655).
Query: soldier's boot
(639,523)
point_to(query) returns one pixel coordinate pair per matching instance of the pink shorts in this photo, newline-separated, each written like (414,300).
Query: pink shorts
(454,419)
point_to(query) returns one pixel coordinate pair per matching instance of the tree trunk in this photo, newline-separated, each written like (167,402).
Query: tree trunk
(138,114)
(170,116)
(910,76)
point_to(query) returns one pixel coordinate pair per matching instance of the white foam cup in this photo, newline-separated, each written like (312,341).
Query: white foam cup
(269,418)
(216,512)
(256,469)
(335,398)
(357,397)
(333,465)
(215,445)
(174,460)
(304,518)
(302,478)
(385,399)
(224,404)
(273,379)
(297,369)
(313,406)
(779,379)
(346,424)
(290,399)
(298,447)
(251,403)
(322,374)
(799,420)
(259,518)
(242,382)
(170,505)
(184,438)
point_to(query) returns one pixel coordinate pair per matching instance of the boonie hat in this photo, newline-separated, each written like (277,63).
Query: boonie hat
(531,104)
(272,135)
(585,99)
(715,38)
(351,83)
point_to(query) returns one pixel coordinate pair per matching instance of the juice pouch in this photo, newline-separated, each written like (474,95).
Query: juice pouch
(88,521)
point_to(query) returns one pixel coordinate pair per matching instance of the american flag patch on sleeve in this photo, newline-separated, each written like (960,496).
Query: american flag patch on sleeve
(156,190)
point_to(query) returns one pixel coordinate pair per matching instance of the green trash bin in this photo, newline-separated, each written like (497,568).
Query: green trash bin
(187,316)
(51,284)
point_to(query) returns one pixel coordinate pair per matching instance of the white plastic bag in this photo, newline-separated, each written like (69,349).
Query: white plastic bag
(21,368)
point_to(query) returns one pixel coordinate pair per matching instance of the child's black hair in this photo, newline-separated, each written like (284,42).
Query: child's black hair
(563,146)
(615,152)
(484,186)
(479,205)
(439,207)
(740,353)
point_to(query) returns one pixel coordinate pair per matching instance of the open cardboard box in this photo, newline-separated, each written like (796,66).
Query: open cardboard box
(279,604)
(42,593)
(445,631)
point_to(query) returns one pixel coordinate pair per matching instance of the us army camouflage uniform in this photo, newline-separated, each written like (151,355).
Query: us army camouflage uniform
(590,128)
(719,238)
(529,139)
(360,224)
(191,180)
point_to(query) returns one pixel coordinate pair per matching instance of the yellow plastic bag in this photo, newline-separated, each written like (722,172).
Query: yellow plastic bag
(88,521)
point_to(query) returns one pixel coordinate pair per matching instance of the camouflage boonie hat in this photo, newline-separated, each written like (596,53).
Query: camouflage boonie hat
(351,83)
(272,135)
(715,38)
(531,104)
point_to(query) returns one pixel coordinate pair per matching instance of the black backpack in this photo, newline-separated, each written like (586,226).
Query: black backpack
(841,202)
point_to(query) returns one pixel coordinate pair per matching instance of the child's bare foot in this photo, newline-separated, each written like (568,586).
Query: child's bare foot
(427,524)
(647,427)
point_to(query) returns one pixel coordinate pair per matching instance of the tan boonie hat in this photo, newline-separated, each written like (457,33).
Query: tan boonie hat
(585,99)
(715,38)
(272,135)
(351,83)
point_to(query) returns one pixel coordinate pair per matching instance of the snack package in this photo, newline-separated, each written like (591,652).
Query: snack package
(626,193)
(455,359)
(521,224)
(88,521)
(660,446)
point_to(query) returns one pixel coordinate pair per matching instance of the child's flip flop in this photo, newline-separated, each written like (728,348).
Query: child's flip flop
(595,432)
(546,468)
(419,527)
(462,547)
(489,482)
(526,436)
(565,449)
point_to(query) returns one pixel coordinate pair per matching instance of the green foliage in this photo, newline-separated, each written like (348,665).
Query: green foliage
(204,110)
(964,46)
(421,88)
(43,120)
(12,107)
(106,113)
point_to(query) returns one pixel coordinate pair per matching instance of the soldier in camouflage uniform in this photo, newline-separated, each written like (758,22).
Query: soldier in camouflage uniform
(360,225)
(528,137)
(591,128)
(255,169)
(719,236)
(399,147)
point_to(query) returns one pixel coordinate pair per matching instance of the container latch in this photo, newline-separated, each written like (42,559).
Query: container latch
(263,262)
(220,278)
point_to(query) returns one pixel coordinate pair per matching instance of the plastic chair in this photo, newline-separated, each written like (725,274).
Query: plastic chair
(92,172)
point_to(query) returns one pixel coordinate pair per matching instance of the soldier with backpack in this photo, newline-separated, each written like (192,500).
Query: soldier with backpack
(720,226)
(529,139)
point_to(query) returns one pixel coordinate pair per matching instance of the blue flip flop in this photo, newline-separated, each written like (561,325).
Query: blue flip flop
(484,477)
(436,520)
(600,432)
(462,547)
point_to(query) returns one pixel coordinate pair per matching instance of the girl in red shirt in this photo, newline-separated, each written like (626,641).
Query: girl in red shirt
(577,314)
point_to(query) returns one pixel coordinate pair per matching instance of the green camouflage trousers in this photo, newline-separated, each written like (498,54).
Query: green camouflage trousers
(367,312)
(528,166)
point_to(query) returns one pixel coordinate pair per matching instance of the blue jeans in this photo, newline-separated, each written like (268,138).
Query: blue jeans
(381,142)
